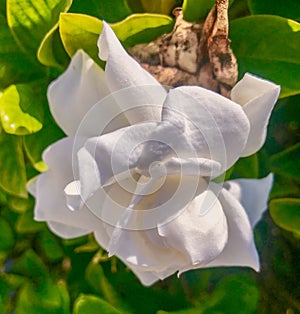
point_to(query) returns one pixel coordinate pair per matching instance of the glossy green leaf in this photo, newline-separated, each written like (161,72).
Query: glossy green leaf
(103,9)
(286,213)
(35,144)
(92,305)
(26,224)
(6,235)
(51,51)
(12,170)
(288,8)
(30,20)
(268,46)
(197,10)
(21,110)
(142,28)
(79,31)
(287,163)
(159,6)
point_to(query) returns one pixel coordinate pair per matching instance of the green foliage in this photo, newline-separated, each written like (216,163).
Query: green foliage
(30,20)
(195,11)
(12,170)
(93,305)
(20,112)
(269,47)
(80,31)
(103,10)
(286,162)
(287,8)
(285,212)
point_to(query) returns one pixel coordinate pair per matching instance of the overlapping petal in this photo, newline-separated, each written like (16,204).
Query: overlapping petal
(257,97)
(122,72)
(200,231)
(76,91)
(216,127)
(50,198)
(240,249)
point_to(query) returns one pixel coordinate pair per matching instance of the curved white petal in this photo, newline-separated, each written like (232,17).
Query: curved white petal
(76,91)
(240,249)
(123,72)
(257,97)
(253,194)
(50,203)
(66,231)
(111,155)
(215,127)
(200,231)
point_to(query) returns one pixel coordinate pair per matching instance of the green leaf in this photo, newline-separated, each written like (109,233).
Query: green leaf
(142,28)
(51,51)
(50,246)
(236,294)
(197,10)
(30,20)
(287,8)
(268,46)
(96,278)
(78,31)
(92,305)
(6,235)
(159,6)
(21,110)
(30,265)
(286,163)
(286,213)
(20,205)
(246,167)
(103,9)
(44,297)
(26,224)
(15,66)
(35,144)
(12,170)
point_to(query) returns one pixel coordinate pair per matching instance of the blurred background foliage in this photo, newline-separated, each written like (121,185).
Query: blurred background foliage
(40,273)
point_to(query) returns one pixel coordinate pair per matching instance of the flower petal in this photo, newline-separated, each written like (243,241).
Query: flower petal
(240,249)
(253,194)
(123,72)
(111,155)
(50,203)
(200,231)
(76,91)
(216,127)
(257,97)
(66,231)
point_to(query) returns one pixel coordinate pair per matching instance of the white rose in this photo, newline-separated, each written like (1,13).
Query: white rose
(136,169)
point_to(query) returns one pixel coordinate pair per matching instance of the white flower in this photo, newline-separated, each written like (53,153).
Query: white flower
(137,168)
